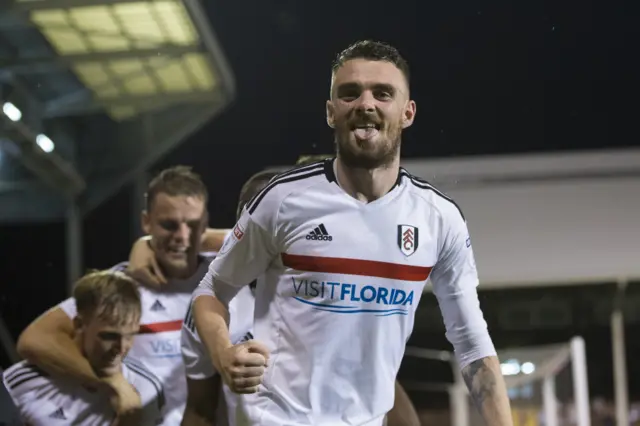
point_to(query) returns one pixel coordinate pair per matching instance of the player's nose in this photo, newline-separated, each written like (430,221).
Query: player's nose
(366,102)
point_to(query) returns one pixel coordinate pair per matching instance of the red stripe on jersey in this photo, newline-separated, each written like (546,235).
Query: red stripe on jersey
(368,268)
(160,327)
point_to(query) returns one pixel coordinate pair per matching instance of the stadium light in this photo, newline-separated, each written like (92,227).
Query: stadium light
(510,367)
(528,368)
(45,143)
(11,111)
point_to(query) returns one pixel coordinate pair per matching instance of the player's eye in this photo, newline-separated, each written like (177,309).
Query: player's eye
(109,336)
(169,225)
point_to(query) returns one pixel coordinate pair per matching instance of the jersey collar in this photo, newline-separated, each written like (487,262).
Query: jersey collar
(331,176)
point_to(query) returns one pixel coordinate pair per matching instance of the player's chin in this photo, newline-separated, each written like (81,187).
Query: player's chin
(110,369)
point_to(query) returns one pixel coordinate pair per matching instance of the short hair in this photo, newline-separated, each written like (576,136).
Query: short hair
(252,186)
(108,295)
(175,181)
(373,51)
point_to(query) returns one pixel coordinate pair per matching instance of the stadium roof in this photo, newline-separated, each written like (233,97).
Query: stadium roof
(107,86)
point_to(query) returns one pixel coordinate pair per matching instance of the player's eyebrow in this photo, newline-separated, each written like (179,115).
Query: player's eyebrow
(353,86)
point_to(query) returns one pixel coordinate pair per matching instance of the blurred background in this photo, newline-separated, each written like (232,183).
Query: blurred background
(526,115)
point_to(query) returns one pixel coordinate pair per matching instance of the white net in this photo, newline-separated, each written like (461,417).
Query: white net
(546,385)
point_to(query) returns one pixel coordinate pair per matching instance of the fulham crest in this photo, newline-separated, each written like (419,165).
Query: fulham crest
(407,239)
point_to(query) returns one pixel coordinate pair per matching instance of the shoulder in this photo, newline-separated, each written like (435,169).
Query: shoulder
(22,378)
(146,383)
(119,267)
(438,199)
(284,184)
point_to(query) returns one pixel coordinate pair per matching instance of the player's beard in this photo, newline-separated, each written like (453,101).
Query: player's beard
(354,154)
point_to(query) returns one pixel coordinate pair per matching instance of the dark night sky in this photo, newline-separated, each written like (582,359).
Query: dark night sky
(488,77)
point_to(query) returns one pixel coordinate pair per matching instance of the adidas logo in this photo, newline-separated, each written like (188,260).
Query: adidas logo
(319,234)
(157,306)
(58,414)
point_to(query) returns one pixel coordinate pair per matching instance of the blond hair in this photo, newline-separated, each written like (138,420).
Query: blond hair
(109,295)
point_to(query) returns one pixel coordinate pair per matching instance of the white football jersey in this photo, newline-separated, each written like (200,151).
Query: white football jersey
(196,359)
(157,345)
(342,281)
(44,400)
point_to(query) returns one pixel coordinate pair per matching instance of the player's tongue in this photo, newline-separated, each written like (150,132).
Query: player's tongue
(366,131)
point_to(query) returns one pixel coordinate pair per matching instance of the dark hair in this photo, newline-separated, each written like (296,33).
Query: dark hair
(174,181)
(252,186)
(373,51)
(108,295)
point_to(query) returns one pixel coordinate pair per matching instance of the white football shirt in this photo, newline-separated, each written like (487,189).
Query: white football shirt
(342,281)
(196,359)
(157,345)
(43,400)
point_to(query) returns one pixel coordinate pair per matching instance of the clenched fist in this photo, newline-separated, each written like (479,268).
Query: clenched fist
(243,366)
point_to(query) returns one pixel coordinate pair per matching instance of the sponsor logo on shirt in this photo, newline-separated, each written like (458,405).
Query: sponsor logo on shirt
(350,298)
(164,348)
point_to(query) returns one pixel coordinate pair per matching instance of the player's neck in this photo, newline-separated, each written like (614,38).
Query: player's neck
(367,185)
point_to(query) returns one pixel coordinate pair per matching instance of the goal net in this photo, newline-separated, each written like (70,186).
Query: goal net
(547,386)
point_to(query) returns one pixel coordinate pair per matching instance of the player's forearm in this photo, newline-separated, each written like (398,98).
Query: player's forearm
(212,319)
(403,412)
(488,391)
(57,354)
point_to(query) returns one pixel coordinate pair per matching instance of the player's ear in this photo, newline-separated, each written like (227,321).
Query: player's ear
(146,222)
(330,114)
(409,114)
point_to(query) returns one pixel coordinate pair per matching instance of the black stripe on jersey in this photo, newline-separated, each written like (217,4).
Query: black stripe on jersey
(315,171)
(189,321)
(423,184)
(301,169)
(142,371)
(295,170)
(23,375)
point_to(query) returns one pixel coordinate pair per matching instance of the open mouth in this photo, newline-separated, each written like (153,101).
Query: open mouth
(366,126)
(364,131)
(177,251)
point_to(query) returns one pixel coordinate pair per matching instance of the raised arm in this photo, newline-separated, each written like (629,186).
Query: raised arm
(48,343)
(144,267)
(455,281)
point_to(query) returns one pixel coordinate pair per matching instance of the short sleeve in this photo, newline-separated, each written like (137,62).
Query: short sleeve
(455,282)
(246,254)
(69,307)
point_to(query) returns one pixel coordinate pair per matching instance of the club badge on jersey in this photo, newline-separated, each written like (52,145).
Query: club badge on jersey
(407,239)
(232,238)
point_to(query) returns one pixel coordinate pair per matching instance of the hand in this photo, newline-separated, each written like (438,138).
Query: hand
(125,399)
(143,266)
(243,366)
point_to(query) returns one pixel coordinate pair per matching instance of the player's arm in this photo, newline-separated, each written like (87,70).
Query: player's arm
(144,267)
(403,412)
(245,255)
(455,281)
(48,343)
